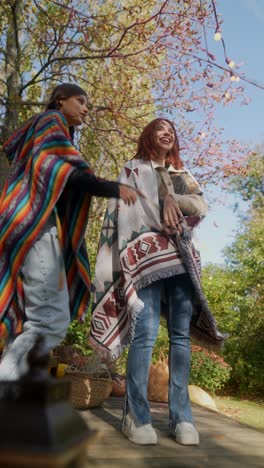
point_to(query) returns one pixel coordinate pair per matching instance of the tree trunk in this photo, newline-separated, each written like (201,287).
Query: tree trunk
(4,168)
(13,83)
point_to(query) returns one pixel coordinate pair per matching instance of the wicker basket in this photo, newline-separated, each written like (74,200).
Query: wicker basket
(87,390)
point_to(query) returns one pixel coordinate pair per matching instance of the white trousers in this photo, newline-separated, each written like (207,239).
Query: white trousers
(46,305)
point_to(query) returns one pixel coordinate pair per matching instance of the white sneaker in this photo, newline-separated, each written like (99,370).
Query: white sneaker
(186,434)
(142,435)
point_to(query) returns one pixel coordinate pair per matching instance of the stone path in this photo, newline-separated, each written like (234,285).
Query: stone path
(224,442)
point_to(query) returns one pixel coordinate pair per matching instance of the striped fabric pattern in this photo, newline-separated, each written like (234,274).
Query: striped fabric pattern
(42,158)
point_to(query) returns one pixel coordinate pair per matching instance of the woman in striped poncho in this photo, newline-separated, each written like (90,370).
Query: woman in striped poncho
(44,268)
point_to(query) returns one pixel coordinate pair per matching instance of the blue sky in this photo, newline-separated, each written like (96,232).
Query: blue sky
(243,33)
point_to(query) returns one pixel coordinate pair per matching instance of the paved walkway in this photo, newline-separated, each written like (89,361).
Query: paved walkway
(224,443)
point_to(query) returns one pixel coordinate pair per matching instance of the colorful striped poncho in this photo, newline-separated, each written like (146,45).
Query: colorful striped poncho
(42,158)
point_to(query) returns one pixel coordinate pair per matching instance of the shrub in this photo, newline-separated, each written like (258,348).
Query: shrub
(208,370)
(246,356)
(77,336)
(162,342)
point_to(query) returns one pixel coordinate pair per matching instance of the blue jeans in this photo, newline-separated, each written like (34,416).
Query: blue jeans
(178,292)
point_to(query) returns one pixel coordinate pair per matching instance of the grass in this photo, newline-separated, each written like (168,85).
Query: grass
(249,412)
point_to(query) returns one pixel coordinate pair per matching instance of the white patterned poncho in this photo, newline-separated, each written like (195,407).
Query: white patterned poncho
(133,253)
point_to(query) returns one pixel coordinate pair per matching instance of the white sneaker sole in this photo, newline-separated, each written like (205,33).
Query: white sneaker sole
(139,439)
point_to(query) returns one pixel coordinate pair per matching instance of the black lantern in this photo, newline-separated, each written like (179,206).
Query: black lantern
(38,425)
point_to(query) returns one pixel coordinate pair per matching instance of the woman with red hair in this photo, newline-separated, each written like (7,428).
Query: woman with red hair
(146,262)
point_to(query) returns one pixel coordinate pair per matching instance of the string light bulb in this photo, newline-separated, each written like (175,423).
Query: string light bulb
(231,63)
(233,77)
(217,35)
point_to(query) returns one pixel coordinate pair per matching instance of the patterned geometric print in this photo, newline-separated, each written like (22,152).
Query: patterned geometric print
(145,247)
(147,255)
(131,171)
(109,232)
(101,323)
(141,255)
(110,315)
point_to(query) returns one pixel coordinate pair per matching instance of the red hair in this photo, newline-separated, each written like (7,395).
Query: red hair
(147,145)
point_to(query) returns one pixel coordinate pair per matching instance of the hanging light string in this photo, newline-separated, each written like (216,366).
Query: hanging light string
(216,17)
(218,36)
(231,64)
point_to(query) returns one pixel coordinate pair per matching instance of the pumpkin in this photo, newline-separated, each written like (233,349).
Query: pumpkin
(158,381)
(118,385)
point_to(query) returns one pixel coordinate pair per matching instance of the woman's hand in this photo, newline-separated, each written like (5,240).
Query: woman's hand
(129,194)
(172,215)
